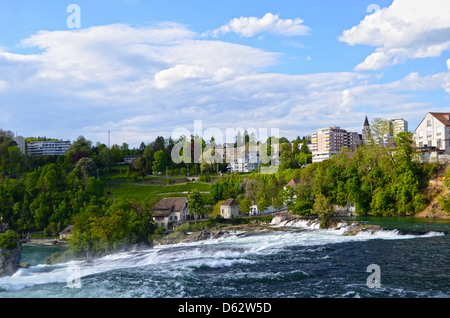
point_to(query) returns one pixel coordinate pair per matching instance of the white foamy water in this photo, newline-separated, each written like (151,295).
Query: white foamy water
(179,259)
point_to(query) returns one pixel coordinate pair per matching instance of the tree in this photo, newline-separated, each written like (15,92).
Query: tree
(286,156)
(245,206)
(141,148)
(105,156)
(85,168)
(379,130)
(323,209)
(196,204)
(160,161)
(81,144)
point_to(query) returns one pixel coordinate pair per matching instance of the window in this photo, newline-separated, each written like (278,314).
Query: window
(438,143)
(429,133)
(420,144)
(438,131)
(420,134)
(428,123)
(429,143)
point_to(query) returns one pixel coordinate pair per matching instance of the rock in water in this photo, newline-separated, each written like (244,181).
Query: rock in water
(10,260)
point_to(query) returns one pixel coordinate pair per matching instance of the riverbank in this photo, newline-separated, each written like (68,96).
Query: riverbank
(52,241)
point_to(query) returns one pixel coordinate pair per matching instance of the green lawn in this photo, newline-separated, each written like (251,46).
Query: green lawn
(144,192)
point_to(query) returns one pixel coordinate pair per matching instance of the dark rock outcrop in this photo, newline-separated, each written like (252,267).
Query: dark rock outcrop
(10,260)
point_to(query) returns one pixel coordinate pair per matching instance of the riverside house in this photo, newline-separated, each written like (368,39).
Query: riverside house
(170,210)
(230,209)
(432,137)
(66,233)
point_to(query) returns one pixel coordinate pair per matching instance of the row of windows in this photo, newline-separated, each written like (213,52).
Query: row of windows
(439,143)
(429,132)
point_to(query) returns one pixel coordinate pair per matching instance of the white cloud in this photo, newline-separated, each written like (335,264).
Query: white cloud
(407,29)
(178,73)
(271,23)
(144,82)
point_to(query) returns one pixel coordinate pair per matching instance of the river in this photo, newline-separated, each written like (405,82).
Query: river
(411,257)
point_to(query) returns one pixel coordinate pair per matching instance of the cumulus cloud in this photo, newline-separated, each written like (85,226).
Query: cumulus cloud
(144,82)
(271,23)
(407,29)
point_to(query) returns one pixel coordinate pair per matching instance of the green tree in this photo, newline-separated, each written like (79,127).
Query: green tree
(379,130)
(105,156)
(245,206)
(323,208)
(160,161)
(196,204)
(85,168)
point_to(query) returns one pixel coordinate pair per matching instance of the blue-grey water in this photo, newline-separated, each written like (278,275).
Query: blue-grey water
(299,261)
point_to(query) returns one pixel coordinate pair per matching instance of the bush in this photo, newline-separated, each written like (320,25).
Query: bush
(8,240)
(444,203)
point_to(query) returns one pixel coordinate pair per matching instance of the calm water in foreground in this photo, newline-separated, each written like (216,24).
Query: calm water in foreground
(301,262)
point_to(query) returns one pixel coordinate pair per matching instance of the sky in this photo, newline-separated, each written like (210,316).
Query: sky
(143,69)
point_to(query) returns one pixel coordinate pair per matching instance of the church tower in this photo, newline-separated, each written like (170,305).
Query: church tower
(366,131)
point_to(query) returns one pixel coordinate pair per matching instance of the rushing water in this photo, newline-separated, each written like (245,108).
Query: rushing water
(301,261)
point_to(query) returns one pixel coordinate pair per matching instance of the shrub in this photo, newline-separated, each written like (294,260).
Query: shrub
(8,240)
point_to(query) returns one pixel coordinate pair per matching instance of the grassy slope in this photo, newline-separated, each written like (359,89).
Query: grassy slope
(151,192)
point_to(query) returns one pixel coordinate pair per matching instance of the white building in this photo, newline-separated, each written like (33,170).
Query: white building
(47,148)
(128,159)
(241,160)
(20,143)
(397,126)
(394,127)
(432,136)
(230,209)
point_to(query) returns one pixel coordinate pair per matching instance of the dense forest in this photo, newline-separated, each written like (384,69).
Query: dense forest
(49,193)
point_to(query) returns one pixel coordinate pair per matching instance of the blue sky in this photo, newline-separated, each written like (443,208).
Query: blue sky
(144,68)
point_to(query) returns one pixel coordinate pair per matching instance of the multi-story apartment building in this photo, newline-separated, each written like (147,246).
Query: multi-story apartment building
(432,136)
(397,126)
(47,147)
(240,159)
(329,141)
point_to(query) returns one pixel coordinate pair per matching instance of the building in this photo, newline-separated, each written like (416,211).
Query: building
(327,142)
(242,159)
(255,211)
(128,159)
(397,126)
(387,133)
(432,136)
(48,147)
(230,209)
(293,183)
(20,141)
(394,127)
(365,137)
(170,210)
(66,233)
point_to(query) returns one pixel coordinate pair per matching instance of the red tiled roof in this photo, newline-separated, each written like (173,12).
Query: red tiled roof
(442,117)
(293,182)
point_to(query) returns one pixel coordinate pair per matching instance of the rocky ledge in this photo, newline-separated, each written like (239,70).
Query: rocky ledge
(10,260)
(351,228)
